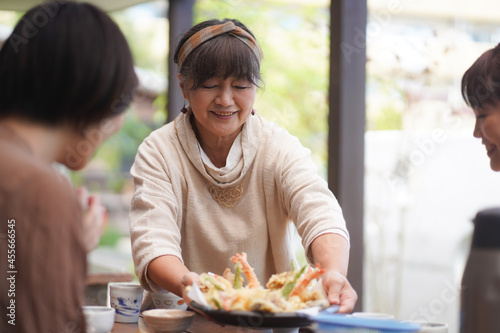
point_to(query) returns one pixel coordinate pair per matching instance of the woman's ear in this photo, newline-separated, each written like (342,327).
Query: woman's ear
(181,85)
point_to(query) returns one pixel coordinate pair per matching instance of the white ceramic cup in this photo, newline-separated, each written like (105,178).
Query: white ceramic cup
(429,327)
(99,319)
(126,299)
(372,315)
(167,300)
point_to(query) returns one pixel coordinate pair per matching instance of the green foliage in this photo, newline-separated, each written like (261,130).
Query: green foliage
(122,147)
(160,104)
(148,39)
(110,237)
(77,178)
(9,18)
(385,107)
(389,118)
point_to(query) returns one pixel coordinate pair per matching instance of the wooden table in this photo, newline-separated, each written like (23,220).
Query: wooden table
(125,328)
(132,327)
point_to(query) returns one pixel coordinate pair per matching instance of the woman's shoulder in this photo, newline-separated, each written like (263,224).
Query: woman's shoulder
(162,149)
(21,165)
(47,181)
(162,133)
(275,136)
(21,171)
(164,136)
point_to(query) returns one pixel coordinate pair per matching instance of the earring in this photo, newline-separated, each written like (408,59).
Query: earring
(184,109)
(253,112)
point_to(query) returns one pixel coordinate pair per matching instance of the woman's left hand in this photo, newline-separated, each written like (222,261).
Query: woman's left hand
(94,218)
(339,291)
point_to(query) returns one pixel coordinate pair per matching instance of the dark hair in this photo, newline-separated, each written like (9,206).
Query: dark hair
(481,82)
(65,63)
(221,56)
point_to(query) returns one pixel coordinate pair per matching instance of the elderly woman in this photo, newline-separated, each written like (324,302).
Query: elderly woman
(481,91)
(64,87)
(221,179)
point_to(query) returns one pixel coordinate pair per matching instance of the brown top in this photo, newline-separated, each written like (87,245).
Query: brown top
(42,255)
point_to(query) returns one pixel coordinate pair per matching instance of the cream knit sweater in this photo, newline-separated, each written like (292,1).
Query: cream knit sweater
(173,212)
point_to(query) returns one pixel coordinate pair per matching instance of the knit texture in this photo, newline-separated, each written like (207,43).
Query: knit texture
(173,212)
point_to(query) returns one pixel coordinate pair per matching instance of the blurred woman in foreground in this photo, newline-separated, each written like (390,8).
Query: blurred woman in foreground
(66,78)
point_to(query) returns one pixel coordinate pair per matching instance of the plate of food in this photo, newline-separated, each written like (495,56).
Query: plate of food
(238,298)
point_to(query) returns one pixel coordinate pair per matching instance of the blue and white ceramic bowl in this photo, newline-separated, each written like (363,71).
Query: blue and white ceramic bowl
(126,299)
(167,300)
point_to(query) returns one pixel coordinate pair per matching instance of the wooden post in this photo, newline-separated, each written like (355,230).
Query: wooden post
(180,18)
(347,124)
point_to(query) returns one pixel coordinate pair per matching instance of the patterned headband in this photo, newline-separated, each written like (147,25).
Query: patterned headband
(213,31)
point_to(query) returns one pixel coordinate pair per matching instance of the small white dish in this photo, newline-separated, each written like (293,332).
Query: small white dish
(99,319)
(430,327)
(168,320)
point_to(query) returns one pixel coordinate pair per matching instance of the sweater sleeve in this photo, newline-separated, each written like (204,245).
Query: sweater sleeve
(50,257)
(304,194)
(154,230)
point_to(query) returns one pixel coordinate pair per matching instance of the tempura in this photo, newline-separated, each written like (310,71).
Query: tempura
(284,292)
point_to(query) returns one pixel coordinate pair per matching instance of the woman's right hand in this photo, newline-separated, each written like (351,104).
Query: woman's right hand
(167,270)
(187,281)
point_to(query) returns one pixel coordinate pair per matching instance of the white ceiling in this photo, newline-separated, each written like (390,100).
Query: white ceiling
(107,5)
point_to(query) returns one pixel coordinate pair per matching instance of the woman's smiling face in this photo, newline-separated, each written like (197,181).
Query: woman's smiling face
(220,106)
(487,128)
